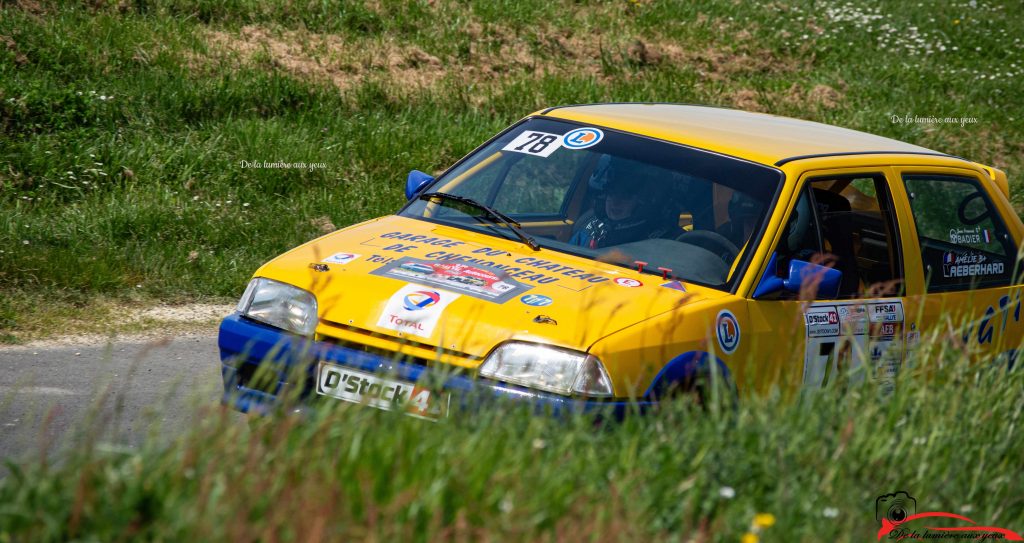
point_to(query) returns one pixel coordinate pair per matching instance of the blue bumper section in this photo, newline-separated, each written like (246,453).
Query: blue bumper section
(245,344)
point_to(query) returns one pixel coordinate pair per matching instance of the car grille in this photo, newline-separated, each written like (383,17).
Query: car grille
(400,350)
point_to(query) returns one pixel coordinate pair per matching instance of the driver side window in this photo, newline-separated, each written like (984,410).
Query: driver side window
(845,223)
(964,245)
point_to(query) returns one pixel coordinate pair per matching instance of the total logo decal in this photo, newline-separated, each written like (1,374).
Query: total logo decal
(415,310)
(341,258)
(727,328)
(421,299)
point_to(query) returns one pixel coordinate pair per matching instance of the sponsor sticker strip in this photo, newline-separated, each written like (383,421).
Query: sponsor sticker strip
(841,336)
(486,283)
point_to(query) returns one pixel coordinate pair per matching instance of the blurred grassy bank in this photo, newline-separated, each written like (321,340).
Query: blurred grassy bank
(774,470)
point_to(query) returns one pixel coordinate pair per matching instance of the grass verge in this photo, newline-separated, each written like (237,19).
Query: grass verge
(781,470)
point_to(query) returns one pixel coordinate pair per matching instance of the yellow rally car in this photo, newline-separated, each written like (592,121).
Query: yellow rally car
(614,254)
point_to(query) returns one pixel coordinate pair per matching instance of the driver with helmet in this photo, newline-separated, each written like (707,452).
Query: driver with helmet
(744,214)
(620,215)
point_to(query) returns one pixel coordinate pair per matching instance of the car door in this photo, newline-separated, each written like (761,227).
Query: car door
(843,219)
(968,236)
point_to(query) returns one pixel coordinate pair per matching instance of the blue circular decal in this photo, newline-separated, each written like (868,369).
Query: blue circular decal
(536,300)
(581,138)
(728,331)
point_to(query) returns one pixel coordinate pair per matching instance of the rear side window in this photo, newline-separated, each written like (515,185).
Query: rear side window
(964,244)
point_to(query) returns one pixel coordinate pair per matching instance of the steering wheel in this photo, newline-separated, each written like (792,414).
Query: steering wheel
(712,241)
(961,210)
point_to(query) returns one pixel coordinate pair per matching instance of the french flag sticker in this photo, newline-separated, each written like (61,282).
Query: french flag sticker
(947,258)
(988,238)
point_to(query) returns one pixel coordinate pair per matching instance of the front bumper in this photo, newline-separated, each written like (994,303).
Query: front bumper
(245,344)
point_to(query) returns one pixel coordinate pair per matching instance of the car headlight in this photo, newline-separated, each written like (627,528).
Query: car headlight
(279,304)
(547,368)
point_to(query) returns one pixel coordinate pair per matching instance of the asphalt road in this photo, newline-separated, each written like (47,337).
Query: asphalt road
(132,388)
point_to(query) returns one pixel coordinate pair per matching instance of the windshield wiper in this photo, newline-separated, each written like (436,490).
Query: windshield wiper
(494,215)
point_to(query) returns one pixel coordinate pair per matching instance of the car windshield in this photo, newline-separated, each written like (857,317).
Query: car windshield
(611,196)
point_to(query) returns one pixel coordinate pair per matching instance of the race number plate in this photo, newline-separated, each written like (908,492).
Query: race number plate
(383,393)
(535,143)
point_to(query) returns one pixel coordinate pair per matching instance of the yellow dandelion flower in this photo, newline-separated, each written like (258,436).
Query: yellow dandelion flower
(764,520)
(749,538)
(956,21)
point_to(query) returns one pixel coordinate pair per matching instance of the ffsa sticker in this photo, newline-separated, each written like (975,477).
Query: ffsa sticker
(728,330)
(534,143)
(415,310)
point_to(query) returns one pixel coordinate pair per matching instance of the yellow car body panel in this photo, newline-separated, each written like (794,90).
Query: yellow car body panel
(352,299)
(757,137)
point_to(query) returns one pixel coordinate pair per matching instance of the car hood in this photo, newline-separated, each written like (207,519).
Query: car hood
(447,288)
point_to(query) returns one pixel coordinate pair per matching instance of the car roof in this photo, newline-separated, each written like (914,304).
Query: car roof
(758,137)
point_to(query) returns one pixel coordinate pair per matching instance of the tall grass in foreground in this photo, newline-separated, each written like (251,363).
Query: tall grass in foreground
(951,439)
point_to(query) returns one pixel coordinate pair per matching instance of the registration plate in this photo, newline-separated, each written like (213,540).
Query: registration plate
(383,393)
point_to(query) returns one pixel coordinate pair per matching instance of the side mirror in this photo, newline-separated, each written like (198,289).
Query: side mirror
(801,274)
(415,183)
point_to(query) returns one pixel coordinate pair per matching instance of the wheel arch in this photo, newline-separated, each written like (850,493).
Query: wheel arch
(686,371)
